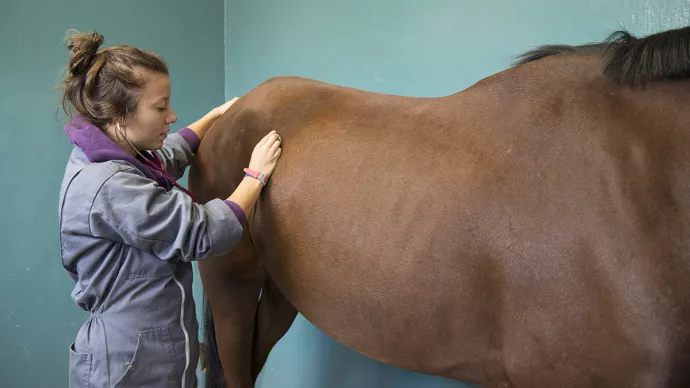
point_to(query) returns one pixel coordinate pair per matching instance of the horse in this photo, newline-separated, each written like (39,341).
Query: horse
(531,230)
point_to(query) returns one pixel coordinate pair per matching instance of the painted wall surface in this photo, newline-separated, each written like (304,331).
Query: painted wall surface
(430,48)
(38,320)
(417,48)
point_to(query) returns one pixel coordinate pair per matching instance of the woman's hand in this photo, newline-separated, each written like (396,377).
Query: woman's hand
(264,159)
(266,154)
(201,126)
(217,112)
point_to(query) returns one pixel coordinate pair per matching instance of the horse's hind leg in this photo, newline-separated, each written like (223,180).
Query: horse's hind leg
(274,316)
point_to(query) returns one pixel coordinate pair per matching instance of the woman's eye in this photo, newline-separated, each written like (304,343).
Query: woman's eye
(162,109)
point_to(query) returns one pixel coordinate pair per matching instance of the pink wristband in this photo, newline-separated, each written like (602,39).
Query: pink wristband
(255,174)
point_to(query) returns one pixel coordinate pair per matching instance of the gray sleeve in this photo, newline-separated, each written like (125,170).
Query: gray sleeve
(134,210)
(178,151)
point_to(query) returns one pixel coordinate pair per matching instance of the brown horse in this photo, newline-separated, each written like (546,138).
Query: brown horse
(529,231)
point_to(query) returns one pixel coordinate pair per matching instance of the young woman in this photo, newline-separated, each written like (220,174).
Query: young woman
(127,237)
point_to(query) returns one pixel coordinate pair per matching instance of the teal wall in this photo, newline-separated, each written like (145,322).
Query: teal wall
(428,48)
(418,48)
(38,319)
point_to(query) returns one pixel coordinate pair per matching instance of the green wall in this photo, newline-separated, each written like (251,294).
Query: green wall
(38,319)
(418,48)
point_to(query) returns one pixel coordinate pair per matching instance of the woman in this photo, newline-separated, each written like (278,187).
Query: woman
(127,238)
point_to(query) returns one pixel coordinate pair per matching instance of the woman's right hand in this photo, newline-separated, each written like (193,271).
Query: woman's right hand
(266,154)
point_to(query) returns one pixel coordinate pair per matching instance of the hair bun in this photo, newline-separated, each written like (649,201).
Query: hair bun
(84,47)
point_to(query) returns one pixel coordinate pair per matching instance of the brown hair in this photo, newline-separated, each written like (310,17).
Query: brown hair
(103,85)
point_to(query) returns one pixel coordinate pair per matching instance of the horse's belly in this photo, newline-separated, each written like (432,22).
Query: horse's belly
(483,318)
(419,317)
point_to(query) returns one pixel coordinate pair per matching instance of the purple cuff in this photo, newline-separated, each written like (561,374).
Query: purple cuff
(191,137)
(239,213)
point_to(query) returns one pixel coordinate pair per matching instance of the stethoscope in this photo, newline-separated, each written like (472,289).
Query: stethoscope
(158,167)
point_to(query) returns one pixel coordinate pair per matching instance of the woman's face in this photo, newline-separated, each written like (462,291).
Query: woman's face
(147,129)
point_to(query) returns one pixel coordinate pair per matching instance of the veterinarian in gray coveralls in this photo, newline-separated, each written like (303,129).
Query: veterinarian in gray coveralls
(126,236)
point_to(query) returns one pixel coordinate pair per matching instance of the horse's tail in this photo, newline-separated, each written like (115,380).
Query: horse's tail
(214,376)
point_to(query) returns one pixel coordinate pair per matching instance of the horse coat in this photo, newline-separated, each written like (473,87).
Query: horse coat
(529,231)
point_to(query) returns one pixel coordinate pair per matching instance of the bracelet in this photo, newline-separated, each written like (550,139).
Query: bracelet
(256,175)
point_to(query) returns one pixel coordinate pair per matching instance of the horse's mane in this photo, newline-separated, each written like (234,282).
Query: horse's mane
(630,60)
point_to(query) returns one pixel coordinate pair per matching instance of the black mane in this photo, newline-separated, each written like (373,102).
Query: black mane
(630,60)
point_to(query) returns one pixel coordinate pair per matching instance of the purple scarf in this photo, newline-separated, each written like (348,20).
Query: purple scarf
(98,147)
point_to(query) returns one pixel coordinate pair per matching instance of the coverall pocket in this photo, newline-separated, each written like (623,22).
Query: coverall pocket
(79,368)
(153,363)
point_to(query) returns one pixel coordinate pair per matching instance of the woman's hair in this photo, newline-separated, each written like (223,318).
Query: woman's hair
(103,85)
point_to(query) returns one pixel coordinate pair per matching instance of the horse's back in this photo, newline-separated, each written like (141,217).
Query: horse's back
(530,230)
